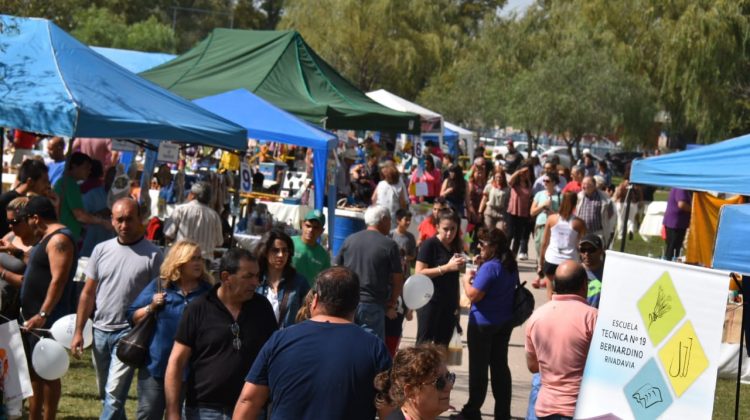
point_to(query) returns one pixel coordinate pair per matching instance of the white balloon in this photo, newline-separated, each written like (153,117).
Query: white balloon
(64,328)
(50,359)
(418,290)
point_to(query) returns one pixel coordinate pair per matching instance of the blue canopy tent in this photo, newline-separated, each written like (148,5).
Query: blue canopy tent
(731,250)
(53,84)
(135,61)
(450,138)
(716,167)
(265,121)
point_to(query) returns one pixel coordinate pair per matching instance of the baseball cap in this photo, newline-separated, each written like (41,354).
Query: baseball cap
(316,215)
(592,239)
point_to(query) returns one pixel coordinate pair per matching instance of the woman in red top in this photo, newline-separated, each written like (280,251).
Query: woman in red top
(430,176)
(519,210)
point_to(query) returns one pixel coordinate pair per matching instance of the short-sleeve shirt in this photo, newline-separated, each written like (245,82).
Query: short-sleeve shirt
(540,198)
(407,245)
(433,253)
(217,370)
(674,218)
(121,272)
(70,199)
(24,139)
(595,286)
(498,284)
(375,258)
(559,334)
(520,200)
(426,229)
(321,370)
(309,260)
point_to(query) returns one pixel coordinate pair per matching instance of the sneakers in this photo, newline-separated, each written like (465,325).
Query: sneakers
(523,256)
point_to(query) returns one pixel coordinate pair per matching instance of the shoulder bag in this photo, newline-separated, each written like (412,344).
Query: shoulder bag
(132,348)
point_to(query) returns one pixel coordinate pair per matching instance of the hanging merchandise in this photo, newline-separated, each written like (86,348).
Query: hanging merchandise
(703,225)
(229,162)
(120,186)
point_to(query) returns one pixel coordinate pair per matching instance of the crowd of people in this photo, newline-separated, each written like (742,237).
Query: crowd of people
(243,336)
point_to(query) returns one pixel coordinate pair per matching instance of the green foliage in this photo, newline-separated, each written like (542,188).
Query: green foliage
(102,27)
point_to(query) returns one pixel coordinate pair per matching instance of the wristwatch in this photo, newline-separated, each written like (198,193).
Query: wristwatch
(43,314)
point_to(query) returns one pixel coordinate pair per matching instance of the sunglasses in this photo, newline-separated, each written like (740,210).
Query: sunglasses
(442,381)
(236,341)
(15,221)
(587,250)
(546,181)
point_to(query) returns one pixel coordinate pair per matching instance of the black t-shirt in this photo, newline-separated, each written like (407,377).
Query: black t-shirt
(433,253)
(5,199)
(374,257)
(217,370)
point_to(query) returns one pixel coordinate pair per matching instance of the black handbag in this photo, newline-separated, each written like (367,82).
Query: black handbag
(523,304)
(132,348)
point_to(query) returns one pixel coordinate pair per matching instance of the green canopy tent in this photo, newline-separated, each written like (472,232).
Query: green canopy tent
(282,69)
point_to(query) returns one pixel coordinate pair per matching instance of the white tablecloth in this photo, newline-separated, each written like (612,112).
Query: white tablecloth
(291,214)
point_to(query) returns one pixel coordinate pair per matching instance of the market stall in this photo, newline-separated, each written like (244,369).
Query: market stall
(430,121)
(264,121)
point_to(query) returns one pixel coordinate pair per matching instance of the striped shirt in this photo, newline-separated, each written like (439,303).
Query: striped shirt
(196,222)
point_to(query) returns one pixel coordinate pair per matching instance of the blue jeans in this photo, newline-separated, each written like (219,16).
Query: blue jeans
(207,413)
(372,316)
(536,384)
(113,376)
(151,399)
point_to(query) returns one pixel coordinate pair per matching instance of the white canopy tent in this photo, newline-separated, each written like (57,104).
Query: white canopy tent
(463,134)
(432,122)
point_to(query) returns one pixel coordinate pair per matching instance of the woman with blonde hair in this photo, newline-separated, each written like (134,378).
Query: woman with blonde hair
(14,253)
(182,279)
(418,384)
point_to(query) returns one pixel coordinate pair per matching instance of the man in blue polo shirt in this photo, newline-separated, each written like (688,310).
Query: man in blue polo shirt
(290,372)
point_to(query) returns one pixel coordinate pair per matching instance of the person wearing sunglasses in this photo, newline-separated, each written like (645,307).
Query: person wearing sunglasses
(545,202)
(591,250)
(218,337)
(491,290)
(418,384)
(182,279)
(14,252)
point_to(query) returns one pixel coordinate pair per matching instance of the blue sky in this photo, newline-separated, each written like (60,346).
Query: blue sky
(517,5)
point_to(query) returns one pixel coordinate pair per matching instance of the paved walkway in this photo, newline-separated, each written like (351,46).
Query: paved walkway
(516,355)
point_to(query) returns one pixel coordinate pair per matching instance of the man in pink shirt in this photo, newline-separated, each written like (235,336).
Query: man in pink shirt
(558,336)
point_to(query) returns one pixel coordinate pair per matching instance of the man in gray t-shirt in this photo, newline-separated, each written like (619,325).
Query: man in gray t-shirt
(117,271)
(376,260)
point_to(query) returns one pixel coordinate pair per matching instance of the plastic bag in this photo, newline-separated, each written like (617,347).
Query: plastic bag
(455,349)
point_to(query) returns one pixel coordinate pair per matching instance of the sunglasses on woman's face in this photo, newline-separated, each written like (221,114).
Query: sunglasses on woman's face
(442,381)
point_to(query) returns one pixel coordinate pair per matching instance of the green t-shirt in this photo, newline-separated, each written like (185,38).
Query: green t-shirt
(69,192)
(309,260)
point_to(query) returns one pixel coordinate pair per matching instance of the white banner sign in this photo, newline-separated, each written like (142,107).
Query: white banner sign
(655,349)
(168,152)
(13,367)
(124,146)
(246,178)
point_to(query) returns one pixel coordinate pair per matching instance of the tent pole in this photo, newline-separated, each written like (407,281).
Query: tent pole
(742,342)
(625,219)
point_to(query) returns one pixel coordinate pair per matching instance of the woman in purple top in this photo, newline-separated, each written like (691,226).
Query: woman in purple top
(676,221)
(491,292)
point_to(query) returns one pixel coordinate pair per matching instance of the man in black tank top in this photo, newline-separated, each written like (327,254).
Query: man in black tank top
(47,292)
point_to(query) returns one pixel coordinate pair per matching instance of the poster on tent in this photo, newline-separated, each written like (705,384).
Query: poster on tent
(655,348)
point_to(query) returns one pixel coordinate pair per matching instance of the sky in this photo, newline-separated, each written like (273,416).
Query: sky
(518,5)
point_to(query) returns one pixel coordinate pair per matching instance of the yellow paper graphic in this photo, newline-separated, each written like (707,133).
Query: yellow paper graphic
(683,359)
(661,308)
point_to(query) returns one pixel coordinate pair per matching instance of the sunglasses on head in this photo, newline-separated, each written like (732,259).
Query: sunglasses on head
(236,341)
(443,380)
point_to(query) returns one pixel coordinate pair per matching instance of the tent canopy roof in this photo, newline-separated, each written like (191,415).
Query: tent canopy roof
(462,132)
(53,84)
(717,167)
(264,121)
(398,103)
(281,68)
(135,61)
